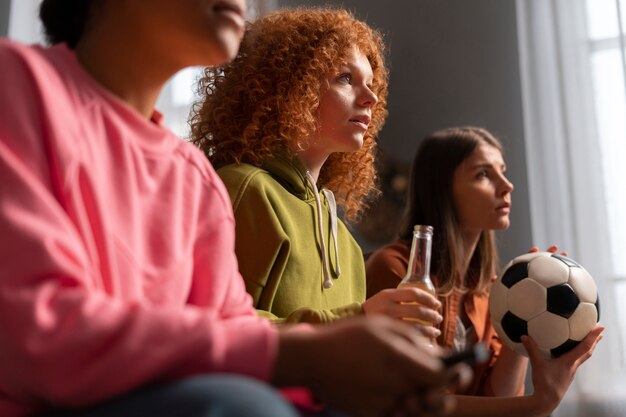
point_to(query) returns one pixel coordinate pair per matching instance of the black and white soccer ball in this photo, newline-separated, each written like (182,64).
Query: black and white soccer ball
(547,296)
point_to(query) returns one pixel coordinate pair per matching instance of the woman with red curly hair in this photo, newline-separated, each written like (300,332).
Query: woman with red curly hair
(291,124)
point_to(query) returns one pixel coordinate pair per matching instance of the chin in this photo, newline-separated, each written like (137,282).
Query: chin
(225,47)
(503,225)
(356,144)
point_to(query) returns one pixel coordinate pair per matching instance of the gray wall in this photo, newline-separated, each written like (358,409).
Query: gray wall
(5,8)
(453,62)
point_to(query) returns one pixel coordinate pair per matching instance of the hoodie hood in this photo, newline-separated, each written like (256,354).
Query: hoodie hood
(295,177)
(291,174)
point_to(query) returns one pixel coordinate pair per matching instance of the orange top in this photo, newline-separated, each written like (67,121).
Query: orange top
(385,269)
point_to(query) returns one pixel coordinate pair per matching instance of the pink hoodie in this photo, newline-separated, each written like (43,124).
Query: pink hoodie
(117,264)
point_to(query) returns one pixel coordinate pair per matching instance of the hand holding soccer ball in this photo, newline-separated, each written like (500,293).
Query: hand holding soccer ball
(547,296)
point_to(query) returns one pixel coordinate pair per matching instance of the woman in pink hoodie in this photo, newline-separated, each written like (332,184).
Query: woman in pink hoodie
(119,288)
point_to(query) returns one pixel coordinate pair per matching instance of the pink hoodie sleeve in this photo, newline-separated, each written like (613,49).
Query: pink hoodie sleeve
(65,338)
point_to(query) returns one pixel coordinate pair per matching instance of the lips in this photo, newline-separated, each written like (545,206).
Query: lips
(222,6)
(504,206)
(231,10)
(363,120)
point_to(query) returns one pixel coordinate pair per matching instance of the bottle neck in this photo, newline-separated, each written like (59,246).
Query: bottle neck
(419,259)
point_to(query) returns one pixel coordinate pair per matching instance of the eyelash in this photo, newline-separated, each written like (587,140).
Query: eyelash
(346,77)
(482,174)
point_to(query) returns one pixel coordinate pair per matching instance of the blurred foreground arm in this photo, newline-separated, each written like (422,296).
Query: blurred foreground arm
(368,367)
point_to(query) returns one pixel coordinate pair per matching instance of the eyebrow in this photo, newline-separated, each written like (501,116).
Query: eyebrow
(354,68)
(486,165)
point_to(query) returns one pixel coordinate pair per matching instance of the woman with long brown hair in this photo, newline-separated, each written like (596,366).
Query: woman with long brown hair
(458,185)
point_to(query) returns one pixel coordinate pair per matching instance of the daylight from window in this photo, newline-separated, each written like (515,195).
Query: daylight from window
(607,64)
(177,98)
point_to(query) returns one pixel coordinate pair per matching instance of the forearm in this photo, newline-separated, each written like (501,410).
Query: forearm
(362,366)
(508,373)
(85,344)
(528,406)
(290,368)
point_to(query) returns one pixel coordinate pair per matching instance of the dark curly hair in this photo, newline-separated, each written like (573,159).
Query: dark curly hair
(66,20)
(265,101)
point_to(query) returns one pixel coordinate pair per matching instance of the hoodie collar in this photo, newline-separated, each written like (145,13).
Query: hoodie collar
(291,173)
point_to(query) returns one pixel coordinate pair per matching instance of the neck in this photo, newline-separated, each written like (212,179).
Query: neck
(313,161)
(124,65)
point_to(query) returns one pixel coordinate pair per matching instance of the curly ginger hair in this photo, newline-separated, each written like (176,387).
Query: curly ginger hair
(265,101)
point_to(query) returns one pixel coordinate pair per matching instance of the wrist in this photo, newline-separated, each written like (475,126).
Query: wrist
(291,367)
(544,402)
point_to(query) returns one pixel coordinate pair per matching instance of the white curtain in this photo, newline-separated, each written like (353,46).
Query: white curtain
(569,191)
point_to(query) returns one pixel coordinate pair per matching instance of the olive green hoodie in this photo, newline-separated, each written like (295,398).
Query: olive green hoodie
(295,270)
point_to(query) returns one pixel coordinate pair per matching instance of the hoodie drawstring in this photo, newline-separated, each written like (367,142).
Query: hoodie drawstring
(328,282)
(332,204)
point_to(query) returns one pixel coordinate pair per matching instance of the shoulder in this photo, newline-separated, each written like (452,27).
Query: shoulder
(38,64)
(391,259)
(245,180)
(194,158)
(23,65)
(13,52)
(44,80)
(238,173)
(199,176)
(392,253)
(239,177)
(386,267)
(33,100)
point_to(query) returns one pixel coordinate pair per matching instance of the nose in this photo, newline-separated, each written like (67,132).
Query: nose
(506,186)
(368,98)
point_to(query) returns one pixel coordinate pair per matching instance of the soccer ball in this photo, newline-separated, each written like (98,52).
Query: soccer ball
(547,296)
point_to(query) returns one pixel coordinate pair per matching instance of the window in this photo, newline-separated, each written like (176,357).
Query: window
(606,22)
(176,99)
(606,38)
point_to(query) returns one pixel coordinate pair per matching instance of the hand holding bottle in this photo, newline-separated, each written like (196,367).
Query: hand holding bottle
(415,299)
(409,303)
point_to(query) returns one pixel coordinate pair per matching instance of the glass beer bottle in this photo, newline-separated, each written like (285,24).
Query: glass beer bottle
(418,272)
